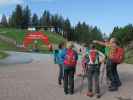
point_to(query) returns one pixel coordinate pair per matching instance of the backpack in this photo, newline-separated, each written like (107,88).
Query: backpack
(70,58)
(118,56)
(92,57)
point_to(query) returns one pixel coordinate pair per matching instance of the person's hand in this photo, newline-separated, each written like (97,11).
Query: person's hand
(94,41)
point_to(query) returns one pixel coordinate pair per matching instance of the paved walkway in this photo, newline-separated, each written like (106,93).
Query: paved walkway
(38,81)
(22,58)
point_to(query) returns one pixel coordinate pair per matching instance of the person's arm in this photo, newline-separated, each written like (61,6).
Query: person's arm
(99,42)
(102,56)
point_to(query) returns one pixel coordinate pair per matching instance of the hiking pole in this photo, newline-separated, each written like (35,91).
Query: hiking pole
(102,74)
(84,71)
(82,83)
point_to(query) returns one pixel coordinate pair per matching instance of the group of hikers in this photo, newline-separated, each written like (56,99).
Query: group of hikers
(66,56)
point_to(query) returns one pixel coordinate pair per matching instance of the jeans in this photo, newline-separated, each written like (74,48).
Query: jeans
(112,73)
(61,72)
(93,71)
(69,79)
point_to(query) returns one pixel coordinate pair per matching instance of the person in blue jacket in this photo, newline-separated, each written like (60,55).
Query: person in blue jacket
(60,61)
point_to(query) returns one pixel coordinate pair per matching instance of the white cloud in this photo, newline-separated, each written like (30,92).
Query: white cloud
(9,2)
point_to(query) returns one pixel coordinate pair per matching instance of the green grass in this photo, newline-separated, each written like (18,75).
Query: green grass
(3,55)
(54,38)
(19,34)
(6,46)
(16,34)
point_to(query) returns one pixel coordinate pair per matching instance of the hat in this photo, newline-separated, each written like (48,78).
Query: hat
(70,45)
(92,46)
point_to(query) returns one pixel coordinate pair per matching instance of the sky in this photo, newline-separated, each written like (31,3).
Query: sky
(105,14)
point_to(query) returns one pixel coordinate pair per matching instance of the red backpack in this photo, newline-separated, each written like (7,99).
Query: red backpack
(118,55)
(93,57)
(70,58)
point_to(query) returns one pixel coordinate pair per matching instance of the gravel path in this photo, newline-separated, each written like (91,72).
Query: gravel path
(38,81)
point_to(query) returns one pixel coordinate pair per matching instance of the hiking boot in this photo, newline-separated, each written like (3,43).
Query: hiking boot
(109,86)
(119,84)
(90,94)
(66,92)
(113,88)
(98,95)
(71,93)
(59,82)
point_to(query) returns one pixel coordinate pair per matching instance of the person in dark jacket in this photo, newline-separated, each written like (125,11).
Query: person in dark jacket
(93,62)
(70,61)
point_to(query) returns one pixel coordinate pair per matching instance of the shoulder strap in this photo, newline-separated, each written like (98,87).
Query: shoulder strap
(96,60)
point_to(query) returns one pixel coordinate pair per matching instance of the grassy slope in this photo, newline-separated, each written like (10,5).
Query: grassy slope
(2,55)
(6,46)
(18,35)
